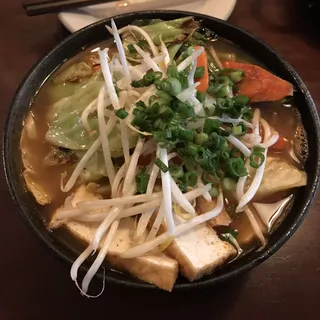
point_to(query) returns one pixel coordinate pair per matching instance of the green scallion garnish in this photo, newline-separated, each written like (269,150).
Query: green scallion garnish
(161,165)
(121,113)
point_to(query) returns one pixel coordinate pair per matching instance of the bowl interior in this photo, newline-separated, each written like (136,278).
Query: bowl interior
(30,210)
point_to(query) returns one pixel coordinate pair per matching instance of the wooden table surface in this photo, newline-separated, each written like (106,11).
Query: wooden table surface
(34,284)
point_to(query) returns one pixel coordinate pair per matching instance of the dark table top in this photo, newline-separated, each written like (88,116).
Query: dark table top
(34,284)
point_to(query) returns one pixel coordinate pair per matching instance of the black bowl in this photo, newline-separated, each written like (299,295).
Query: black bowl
(30,210)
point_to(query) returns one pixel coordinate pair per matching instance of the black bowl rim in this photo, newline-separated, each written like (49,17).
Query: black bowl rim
(141,285)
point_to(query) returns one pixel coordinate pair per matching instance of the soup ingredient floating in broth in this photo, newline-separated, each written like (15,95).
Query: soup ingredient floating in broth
(161,154)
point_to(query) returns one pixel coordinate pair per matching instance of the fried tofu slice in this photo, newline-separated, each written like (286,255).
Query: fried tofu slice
(82,193)
(279,176)
(199,251)
(223,219)
(259,84)
(155,268)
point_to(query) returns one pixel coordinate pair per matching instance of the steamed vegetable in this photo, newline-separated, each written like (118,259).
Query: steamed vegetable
(66,129)
(174,31)
(203,78)
(259,84)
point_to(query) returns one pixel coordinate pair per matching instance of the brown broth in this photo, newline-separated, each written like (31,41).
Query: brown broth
(49,177)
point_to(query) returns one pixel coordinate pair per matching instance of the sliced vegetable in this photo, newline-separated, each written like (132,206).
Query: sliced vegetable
(164,168)
(259,84)
(202,62)
(142,179)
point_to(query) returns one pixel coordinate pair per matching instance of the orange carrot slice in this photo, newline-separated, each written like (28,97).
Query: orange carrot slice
(259,84)
(202,61)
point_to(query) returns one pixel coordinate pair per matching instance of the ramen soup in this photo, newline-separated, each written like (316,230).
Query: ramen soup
(167,150)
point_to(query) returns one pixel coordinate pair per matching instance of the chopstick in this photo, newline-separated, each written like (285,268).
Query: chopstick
(50,6)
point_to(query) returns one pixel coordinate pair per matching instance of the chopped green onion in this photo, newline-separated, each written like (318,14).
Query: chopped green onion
(161,125)
(211,125)
(214,88)
(261,158)
(161,165)
(192,150)
(164,96)
(167,114)
(175,86)
(214,192)
(143,44)
(141,104)
(224,103)
(236,76)
(237,130)
(121,113)
(201,96)
(225,80)
(190,178)
(176,171)
(142,180)
(201,138)
(225,155)
(224,92)
(183,78)
(199,72)
(236,167)
(172,70)
(137,83)
(228,184)
(259,149)
(183,187)
(240,100)
(131,48)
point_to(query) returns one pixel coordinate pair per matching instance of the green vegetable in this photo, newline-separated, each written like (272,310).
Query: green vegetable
(257,158)
(166,98)
(201,96)
(173,50)
(176,171)
(186,51)
(131,48)
(237,130)
(201,138)
(190,178)
(258,149)
(173,31)
(224,92)
(229,184)
(236,167)
(121,113)
(142,179)
(214,192)
(236,76)
(65,126)
(199,72)
(161,165)
(171,86)
(211,125)
(172,70)
(148,79)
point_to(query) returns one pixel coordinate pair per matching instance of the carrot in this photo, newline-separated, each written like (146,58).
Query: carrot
(259,84)
(202,61)
(280,144)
